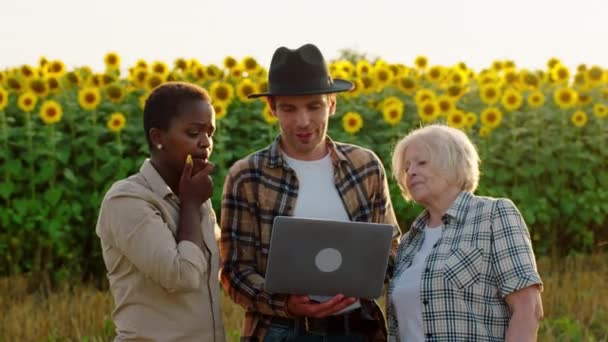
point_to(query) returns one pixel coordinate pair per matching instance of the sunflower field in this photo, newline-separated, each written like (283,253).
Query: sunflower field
(68,134)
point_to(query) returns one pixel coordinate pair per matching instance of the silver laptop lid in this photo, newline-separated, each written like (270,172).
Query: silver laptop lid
(324,257)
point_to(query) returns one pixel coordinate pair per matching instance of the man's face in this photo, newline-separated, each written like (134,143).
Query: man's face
(303,120)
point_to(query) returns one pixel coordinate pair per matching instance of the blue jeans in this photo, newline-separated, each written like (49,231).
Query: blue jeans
(281,333)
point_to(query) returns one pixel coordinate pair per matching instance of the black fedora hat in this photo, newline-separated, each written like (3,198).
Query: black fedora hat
(302,71)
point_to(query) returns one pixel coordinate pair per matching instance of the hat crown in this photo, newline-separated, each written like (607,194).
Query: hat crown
(302,69)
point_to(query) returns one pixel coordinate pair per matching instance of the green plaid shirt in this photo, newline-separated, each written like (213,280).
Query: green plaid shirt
(483,255)
(262,186)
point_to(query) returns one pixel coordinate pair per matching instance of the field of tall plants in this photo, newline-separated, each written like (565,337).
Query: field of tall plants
(66,134)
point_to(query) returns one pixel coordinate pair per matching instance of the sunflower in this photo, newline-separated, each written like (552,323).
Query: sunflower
(406,84)
(435,74)
(53,84)
(42,61)
(560,74)
(484,131)
(115,92)
(382,75)
(262,86)
(600,110)
(424,95)
(536,99)
(497,65)
(529,79)
(579,118)
(249,64)
(584,98)
(565,97)
(491,117)
(553,62)
(457,119)
(446,104)
(511,77)
(455,91)
(28,71)
(352,122)
(3,98)
(456,76)
(347,67)
(180,64)
(421,62)
(160,68)
(581,80)
(14,83)
(595,74)
(268,116)
(51,112)
(511,99)
(221,92)
(116,122)
(230,62)
(220,110)
(141,63)
(367,82)
(139,76)
(392,113)
(89,98)
(490,93)
(56,68)
(428,110)
(39,87)
(237,72)
(363,67)
(154,80)
(470,119)
(27,101)
(245,88)
(213,72)
(112,61)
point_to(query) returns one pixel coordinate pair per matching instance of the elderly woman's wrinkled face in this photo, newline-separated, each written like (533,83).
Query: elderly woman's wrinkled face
(423,182)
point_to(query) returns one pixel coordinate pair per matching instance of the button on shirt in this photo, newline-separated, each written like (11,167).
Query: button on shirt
(163,290)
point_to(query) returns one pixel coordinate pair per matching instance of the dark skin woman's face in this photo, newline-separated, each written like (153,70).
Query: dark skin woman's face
(190,132)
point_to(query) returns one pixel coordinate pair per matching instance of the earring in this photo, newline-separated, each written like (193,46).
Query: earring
(159,146)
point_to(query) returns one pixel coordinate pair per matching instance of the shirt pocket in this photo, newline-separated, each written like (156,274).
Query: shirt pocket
(462,267)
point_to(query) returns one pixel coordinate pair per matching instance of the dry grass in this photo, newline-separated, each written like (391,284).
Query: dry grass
(575,301)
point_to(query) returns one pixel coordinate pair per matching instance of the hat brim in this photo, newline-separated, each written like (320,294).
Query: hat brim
(338,86)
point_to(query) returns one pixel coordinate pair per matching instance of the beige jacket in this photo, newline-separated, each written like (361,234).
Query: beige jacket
(163,290)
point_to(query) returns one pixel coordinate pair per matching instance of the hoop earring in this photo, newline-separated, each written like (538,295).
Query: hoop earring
(159,146)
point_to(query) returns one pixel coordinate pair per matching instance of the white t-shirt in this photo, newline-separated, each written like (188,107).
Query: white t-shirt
(406,293)
(318,197)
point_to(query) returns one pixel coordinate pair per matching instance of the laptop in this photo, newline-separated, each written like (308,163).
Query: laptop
(324,257)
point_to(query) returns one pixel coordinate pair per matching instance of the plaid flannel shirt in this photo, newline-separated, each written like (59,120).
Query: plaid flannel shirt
(483,255)
(262,186)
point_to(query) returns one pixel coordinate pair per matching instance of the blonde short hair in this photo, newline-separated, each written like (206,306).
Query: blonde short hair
(451,155)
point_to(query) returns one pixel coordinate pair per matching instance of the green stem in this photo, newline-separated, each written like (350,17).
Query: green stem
(30,145)
(4,132)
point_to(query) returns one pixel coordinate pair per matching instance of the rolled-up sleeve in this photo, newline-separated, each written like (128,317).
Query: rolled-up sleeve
(136,228)
(513,258)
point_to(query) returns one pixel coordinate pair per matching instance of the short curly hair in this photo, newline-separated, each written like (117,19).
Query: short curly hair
(451,154)
(163,104)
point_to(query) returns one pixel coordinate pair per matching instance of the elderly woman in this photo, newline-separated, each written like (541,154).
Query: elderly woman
(466,270)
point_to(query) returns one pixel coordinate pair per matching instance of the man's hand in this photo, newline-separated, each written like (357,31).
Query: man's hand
(302,305)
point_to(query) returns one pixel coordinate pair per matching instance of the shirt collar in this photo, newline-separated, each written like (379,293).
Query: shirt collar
(157,183)
(456,212)
(275,158)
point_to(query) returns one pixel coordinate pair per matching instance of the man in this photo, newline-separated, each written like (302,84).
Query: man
(303,173)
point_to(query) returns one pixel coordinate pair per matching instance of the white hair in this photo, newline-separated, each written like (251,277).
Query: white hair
(452,156)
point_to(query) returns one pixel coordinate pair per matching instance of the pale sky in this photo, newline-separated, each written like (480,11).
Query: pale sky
(80,32)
